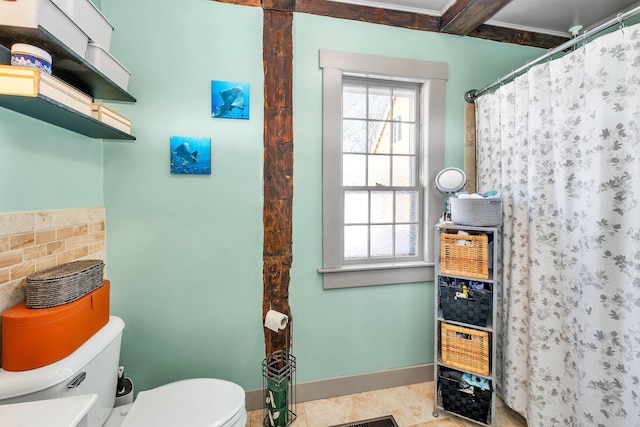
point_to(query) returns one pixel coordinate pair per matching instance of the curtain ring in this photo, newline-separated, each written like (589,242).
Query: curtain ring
(621,22)
(586,40)
(549,57)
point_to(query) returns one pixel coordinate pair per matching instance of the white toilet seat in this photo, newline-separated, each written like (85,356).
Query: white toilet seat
(198,402)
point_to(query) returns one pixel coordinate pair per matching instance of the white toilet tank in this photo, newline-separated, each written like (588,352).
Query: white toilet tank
(92,368)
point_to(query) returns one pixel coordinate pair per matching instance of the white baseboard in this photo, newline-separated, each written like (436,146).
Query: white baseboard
(350,384)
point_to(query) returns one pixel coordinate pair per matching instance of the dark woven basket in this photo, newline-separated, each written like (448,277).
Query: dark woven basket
(475,310)
(64,283)
(455,397)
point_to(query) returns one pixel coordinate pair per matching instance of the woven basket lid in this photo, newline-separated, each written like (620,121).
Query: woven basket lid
(64,270)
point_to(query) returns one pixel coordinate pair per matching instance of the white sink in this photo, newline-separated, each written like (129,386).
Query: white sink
(63,412)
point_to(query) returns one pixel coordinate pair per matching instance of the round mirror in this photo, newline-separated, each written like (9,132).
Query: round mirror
(450,180)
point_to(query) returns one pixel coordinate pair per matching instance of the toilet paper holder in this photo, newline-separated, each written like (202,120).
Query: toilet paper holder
(279,386)
(275,320)
(279,375)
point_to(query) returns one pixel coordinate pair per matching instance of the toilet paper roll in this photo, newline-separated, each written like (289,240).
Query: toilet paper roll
(275,320)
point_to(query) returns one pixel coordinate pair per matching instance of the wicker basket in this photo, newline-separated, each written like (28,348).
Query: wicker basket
(465,348)
(474,310)
(465,255)
(64,283)
(470,402)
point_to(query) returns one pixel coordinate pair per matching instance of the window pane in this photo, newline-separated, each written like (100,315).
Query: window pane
(406,240)
(379,171)
(356,241)
(397,133)
(405,138)
(354,101)
(403,171)
(354,167)
(406,206)
(381,241)
(381,207)
(354,136)
(356,207)
(404,102)
(379,103)
(379,137)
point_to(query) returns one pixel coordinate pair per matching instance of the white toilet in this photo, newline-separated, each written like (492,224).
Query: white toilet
(92,369)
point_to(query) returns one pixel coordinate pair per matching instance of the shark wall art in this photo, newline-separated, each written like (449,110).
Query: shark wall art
(191,156)
(229,100)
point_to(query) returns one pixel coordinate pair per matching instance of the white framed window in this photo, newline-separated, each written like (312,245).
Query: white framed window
(380,172)
(383,142)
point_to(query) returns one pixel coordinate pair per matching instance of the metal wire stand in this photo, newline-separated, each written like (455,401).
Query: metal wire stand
(279,386)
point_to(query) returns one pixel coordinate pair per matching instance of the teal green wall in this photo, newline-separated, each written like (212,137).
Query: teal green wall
(185,253)
(46,167)
(350,331)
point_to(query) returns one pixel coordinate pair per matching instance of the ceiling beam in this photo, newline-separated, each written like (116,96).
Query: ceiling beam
(375,15)
(282,5)
(525,38)
(414,21)
(255,3)
(464,16)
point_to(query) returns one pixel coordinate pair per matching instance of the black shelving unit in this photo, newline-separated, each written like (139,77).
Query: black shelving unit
(51,111)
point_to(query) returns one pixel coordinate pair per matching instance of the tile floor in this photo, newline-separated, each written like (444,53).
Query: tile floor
(411,406)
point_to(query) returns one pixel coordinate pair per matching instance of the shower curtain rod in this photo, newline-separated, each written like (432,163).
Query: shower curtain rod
(472,94)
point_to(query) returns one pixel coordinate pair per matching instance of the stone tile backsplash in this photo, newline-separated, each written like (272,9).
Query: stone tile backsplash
(37,240)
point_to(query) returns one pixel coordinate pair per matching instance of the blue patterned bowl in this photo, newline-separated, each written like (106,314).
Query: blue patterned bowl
(24,55)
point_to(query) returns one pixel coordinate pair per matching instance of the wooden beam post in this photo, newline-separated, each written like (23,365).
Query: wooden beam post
(278,164)
(470,146)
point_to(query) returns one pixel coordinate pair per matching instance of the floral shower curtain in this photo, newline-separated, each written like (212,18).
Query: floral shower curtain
(562,145)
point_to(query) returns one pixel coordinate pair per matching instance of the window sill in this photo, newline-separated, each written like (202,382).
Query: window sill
(351,276)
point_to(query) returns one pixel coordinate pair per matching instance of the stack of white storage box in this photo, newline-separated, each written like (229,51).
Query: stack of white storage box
(83,29)
(91,21)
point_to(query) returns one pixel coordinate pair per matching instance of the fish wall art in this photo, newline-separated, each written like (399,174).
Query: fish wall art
(229,100)
(191,156)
